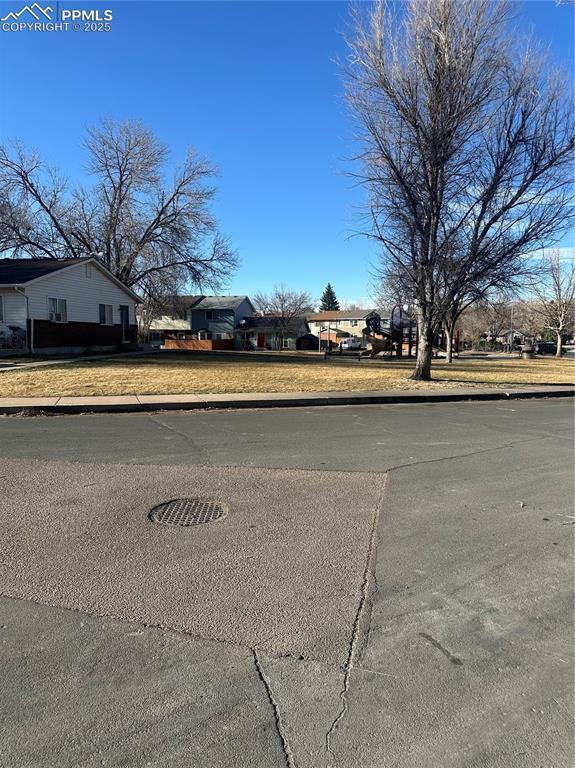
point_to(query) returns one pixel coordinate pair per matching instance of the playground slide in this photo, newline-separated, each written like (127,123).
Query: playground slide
(379,344)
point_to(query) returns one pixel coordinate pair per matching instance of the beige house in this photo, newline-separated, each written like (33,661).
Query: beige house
(340,322)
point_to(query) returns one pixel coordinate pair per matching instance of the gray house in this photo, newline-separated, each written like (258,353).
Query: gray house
(216,317)
(202,322)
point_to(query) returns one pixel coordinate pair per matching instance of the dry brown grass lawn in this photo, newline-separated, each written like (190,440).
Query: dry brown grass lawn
(167,374)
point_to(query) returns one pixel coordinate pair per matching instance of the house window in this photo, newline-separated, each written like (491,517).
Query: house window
(57,310)
(106,314)
(88,270)
(212,314)
(353,323)
(285,343)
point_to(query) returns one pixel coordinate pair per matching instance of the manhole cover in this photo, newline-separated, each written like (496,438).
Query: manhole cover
(188,512)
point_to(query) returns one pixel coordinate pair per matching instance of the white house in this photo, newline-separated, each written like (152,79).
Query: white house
(68,305)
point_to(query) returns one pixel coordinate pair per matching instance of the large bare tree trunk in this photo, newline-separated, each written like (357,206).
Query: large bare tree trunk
(559,344)
(422,370)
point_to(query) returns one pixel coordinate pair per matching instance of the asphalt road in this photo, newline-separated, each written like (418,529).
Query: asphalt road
(392,586)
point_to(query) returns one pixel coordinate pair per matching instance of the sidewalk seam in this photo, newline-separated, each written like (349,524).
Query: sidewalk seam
(288,754)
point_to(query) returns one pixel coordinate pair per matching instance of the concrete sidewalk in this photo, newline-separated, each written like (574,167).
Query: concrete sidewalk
(132,403)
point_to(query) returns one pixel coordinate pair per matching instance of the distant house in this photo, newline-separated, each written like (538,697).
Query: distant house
(334,326)
(166,325)
(67,305)
(175,323)
(512,337)
(216,317)
(202,322)
(351,322)
(271,332)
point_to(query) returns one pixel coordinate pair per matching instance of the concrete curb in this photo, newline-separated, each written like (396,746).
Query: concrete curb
(142,403)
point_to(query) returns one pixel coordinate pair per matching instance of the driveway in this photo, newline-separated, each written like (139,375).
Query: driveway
(391,586)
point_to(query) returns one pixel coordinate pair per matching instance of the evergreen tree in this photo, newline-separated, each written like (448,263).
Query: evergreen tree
(329,301)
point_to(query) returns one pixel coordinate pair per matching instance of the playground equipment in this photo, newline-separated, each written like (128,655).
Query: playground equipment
(379,343)
(399,336)
(388,339)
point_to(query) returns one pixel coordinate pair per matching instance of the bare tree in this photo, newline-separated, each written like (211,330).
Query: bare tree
(451,318)
(487,292)
(388,289)
(285,305)
(554,294)
(160,296)
(466,151)
(464,293)
(499,317)
(352,306)
(526,319)
(139,224)
(473,324)
(487,320)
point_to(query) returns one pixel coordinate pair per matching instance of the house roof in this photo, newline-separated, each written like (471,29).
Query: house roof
(186,301)
(516,331)
(338,333)
(340,314)
(221,302)
(20,272)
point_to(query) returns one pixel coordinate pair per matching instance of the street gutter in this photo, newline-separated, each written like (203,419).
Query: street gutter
(136,403)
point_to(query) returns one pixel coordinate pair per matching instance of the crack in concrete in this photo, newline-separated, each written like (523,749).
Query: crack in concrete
(277,656)
(200,448)
(288,754)
(129,621)
(465,455)
(359,619)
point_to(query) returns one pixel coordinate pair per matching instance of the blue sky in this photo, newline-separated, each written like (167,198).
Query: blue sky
(251,84)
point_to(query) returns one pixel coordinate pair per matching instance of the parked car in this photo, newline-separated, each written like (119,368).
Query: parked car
(545,348)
